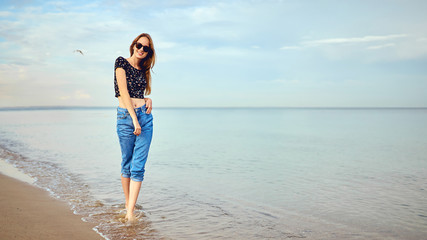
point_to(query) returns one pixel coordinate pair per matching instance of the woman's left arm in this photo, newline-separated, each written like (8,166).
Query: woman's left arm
(148,105)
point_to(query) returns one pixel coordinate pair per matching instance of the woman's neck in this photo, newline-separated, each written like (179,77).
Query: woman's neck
(135,61)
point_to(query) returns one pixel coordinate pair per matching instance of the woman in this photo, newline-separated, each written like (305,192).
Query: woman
(132,79)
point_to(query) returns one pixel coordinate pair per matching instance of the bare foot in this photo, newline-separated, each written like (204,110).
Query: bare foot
(130,218)
(122,219)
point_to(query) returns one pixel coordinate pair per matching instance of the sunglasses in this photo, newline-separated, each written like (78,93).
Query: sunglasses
(144,48)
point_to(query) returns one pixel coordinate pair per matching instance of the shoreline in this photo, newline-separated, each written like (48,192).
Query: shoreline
(10,170)
(28,212)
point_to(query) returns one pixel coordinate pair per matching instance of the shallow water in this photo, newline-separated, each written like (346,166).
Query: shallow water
(236,173)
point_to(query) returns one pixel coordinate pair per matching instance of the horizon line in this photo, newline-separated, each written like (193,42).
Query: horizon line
(59,107)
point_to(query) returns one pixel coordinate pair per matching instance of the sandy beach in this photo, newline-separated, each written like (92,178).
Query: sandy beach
(28,212)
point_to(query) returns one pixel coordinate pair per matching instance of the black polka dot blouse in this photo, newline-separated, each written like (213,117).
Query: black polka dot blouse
(135,79)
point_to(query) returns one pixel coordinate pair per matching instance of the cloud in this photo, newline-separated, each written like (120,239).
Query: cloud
(64,97)
(285,81)
(202,15)
(165,44)
(400,47)
(196,24)
(364,39)
(343,41)
(381,46)
(290,48)
(81,94)
(40,34)
(5,14)
(77,95)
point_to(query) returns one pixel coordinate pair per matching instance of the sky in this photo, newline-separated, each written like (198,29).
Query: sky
(272,53)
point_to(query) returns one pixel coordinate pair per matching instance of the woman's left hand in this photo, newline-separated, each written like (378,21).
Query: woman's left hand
(148,105)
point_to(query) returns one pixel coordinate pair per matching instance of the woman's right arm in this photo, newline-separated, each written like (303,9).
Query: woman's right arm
(124,94)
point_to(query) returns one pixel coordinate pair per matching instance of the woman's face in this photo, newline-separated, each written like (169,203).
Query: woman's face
(139,53)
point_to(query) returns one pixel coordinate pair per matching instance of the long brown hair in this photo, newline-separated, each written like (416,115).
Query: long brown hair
(148,62)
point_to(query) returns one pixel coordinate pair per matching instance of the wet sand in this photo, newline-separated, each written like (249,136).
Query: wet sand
(28,212)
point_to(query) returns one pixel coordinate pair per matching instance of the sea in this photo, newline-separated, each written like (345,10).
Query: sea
(234,173)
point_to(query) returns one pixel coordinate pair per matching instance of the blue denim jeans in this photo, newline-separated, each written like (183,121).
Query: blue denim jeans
(134,148)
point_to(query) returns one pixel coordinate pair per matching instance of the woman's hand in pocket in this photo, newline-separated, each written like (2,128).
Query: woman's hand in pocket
(148,105)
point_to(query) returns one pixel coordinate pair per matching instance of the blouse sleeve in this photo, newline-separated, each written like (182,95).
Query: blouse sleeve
(119,63)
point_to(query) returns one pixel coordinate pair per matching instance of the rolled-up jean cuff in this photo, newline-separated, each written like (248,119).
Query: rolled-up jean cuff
(136,180)
(125,175)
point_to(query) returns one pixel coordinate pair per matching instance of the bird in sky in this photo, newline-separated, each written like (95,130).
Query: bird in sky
(79,51)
